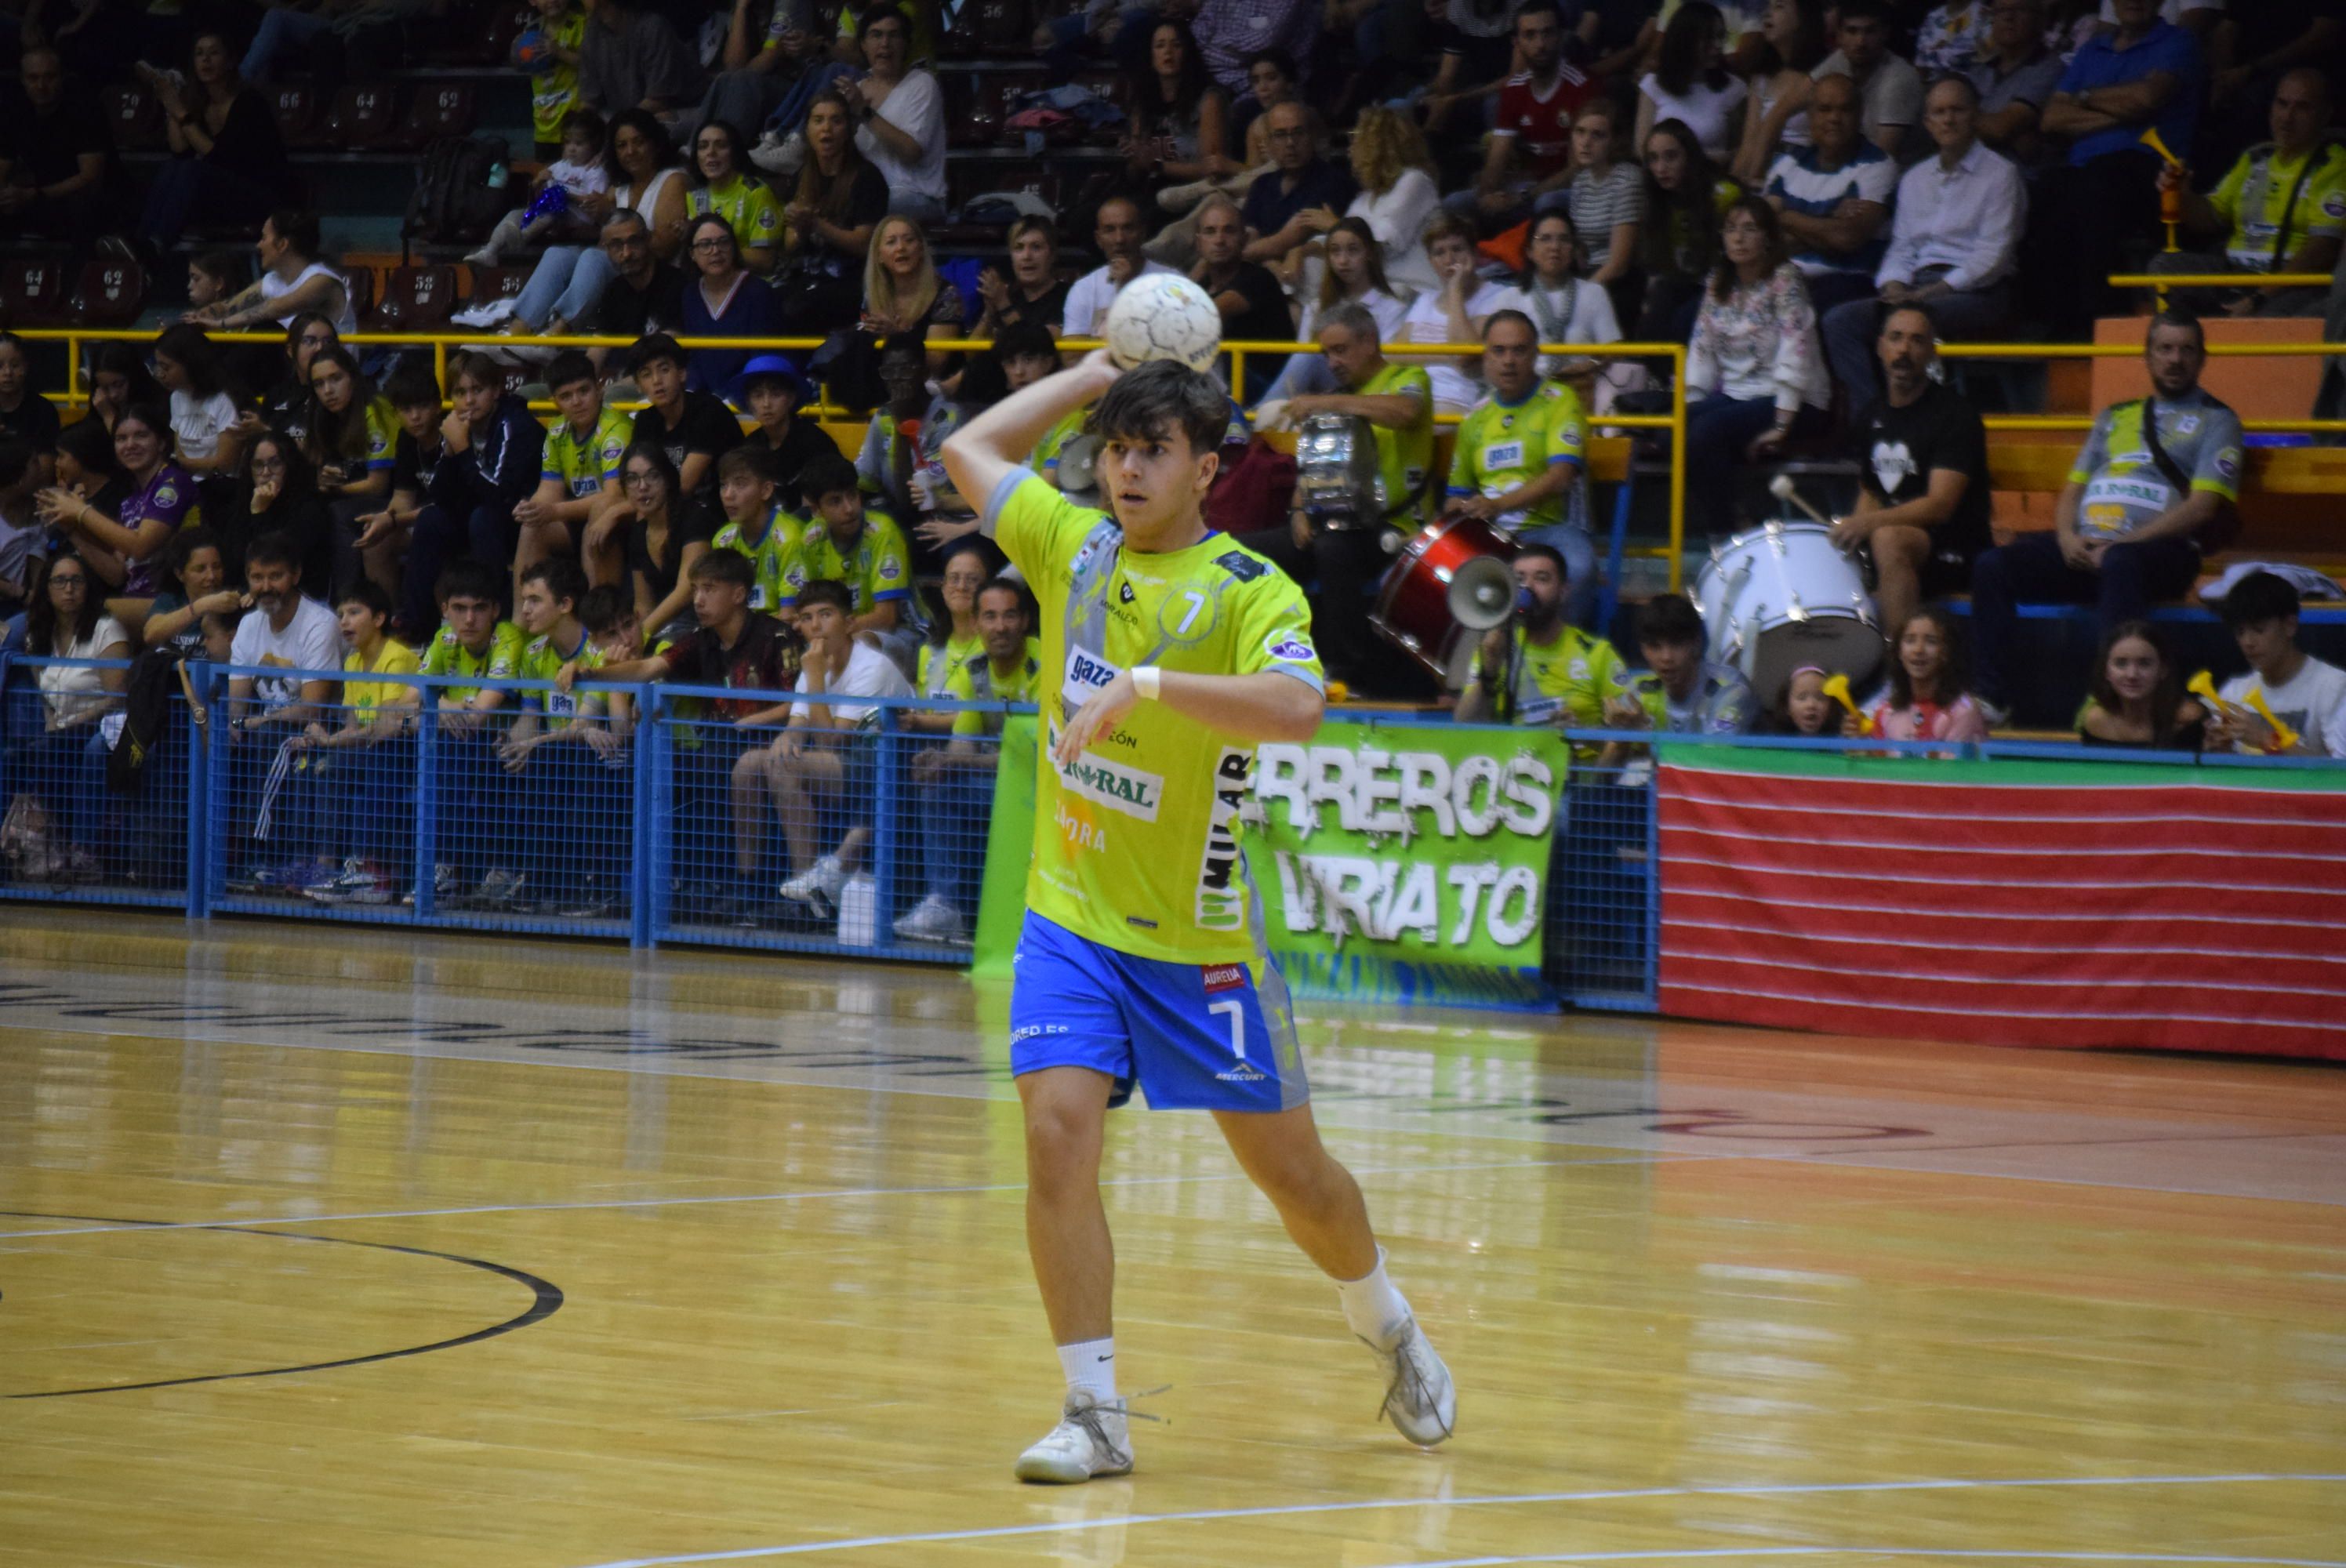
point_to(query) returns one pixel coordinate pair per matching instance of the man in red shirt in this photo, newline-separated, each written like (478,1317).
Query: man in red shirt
(1530,155)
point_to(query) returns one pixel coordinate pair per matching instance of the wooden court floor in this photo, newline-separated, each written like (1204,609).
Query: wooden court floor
(360,1249)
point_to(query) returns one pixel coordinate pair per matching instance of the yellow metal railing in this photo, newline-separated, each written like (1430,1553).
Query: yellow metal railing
(2162,282)
(440,343)
(2131,351)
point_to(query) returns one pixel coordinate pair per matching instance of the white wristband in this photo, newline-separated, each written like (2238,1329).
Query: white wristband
(1148,681)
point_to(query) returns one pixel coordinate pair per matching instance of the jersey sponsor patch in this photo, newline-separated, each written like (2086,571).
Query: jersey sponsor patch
(1220,977)
(1245,568)
(2227,466)
(1288,647)
(1119,788)
(890,571)
(1086,673)
(2334,204)
(1221,891)
(1502,455)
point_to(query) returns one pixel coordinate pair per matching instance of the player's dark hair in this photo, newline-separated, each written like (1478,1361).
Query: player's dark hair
(366,591)
(2257,598)
(1150,402)
(826,591)
(568,368)
(727,565)
(1669,619)
(564,580)
(273,550)
(828,473)
(469,579)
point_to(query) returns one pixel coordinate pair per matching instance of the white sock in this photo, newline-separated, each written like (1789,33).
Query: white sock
(1091,1367)
(1373,1309)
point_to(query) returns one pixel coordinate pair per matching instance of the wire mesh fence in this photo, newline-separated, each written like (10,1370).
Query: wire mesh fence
(93,808)
(1602,897)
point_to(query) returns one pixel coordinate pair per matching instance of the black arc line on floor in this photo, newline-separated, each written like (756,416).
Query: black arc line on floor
(548,1301)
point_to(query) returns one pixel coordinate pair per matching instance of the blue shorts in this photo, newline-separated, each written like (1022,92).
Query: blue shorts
(1197,1037)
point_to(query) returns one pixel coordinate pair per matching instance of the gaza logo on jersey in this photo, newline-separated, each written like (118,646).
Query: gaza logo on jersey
(1289,648)
(1086,673)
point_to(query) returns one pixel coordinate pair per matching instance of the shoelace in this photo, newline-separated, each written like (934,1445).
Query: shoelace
(1409,1382)
(1089,1417)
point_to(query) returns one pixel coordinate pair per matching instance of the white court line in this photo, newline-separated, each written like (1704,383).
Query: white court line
(1725,1554)
(235,1222)
(1282,1511)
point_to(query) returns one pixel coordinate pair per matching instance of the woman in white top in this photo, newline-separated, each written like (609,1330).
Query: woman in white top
(1777,118)
(1565,307)
(66,618)
(1393,169)
(645,177)
(203,416)
(1452,311)
(1755,372)
(292,280)
(1354,275)
(900,116)
(1689,82)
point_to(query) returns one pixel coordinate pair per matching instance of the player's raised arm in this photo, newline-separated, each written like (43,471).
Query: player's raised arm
(1270,705)
(996,442)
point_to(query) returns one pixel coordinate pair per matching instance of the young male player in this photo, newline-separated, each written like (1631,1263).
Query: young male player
(1169,653)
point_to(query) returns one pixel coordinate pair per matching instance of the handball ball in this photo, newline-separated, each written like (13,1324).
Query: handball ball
(1163,316)
(532,52)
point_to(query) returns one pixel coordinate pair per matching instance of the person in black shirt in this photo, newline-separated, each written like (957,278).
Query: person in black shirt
(276,491)
(196,616)
(666,534)
(24,413)
(769,391)
(286,405)
(54,148)
(1033,293)
(693,428)
(1289,209)
(228,160)
(644,296)
(1922,503)
(492,452)
(1254,307)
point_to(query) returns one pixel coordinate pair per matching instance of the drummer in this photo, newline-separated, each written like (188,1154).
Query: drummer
(1518,459)
(1538,669)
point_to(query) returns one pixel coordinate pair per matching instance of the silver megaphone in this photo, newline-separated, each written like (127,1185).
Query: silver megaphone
(1482,593)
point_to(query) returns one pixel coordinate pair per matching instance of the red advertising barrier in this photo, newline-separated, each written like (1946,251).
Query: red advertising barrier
(2006,902)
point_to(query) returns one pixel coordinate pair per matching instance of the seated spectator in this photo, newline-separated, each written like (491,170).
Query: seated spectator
(2137,701)
(1686,199)
(1474,42)
(1451,312)
(55,149)
(276,493)
(1690,82)
(1952,244)
(1118,233)
(1922,508)
(1397,403)
(771,390)
(1808,711)
(2154,477)
(561,26)
(1254,307)
(579,473)
(694,428)
(1033,293)
(1680,692)
(956,782)
(864,550)
(23,474)
(1398,196)
(1928,697)
(1608,204)
(1755,378)
(886,463)
(1272,79)
(566,289)
(2249,49)
(118,379)
(1229,31)
(2146,76)
(757,527)
(159,498)
(1891,87)
(1176,119)
(723,183)
(723,300)
(1561,306)
(1354,275)
(1292,207)
(631,58)
(471,642)
(556,210)
(572,811)
(366,764)
(24,413)
(2016,74)
(294,30)
(1528,161)
(953,638)
(1833,197)
(666,533)
(86,471)
(1776,114)
(827,223)
(285,406)
(900,116)
(292,280)
(205,435)
(492,460)
(284,630)
(823,757)
(1538,667)
(352,436)
(228,160)
(417,452)
(66,618)
(901,290)
(194,616)
(923,15)
(1950,38)
(2281,209)
(767,79)
(2306,694)
(1518,456)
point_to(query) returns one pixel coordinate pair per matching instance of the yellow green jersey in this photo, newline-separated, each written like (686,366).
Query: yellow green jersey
(876,567)
(500,661)
(774,574)
(541,660)
(553,92)
(748,205)
(361,698)
(2124,487)
(585,466)
(939,660)
(382,435)
(1046,460)
(1502,447)
(1137,841)
(1404,457)
(1564,684)
(977,680)
(2272,207)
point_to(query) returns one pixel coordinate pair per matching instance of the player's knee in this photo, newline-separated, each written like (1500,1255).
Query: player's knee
(1063,1140)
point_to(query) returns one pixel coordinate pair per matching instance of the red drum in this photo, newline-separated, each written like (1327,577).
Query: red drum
(1415,603)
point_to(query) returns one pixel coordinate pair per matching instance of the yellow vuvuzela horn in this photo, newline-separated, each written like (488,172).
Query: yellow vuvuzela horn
(2284,737)
(1836,687)
(2151,140)
(2203,687)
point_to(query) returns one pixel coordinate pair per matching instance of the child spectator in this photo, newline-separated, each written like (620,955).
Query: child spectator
(756,526)
(579,474)
(572,820)
(214,276)
(724,184)
(771,390)
(561,28)
(821,756)
(369,776)
(2137,701)
(1607,203)
(195,616)
(2304,693)
(864,551)
(204,430)
(1454,311)
(471,642)
(416,455)
(555,214)
(694,428)
(352,434)
(1682,692)
(1807,709)
(666,535)
(276,494)
(1928,699)
(491,459)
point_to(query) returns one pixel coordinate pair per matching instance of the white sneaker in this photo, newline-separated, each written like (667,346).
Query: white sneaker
(933,919)
(1420,1400)
(1091,1439)
(780,155)
(823,879)
(484,257)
